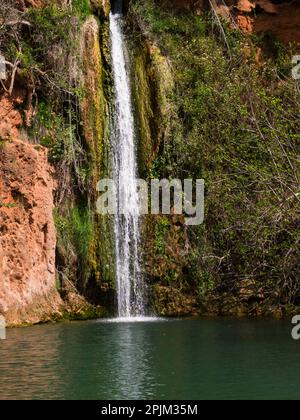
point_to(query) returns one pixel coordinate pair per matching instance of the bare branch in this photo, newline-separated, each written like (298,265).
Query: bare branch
(13,76)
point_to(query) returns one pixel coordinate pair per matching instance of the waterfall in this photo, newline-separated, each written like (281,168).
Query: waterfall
(130,286)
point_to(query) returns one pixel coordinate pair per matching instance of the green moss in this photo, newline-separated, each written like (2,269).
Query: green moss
(152,86)
(83,8)
(144,110)
(96,128)
(76,236)
(89,312)
(46,19)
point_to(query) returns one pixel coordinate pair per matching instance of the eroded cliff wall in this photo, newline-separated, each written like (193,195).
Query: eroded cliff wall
(279,17)
(53,133)
(28,237)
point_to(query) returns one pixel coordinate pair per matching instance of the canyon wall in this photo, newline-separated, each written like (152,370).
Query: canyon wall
(28,238)
(279,17)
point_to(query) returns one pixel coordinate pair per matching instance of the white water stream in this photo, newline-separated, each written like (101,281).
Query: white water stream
(130,285)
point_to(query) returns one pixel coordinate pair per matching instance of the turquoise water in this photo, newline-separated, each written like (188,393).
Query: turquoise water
(180,359)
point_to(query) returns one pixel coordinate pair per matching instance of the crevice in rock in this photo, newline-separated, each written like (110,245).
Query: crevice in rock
(120,6)
(45,232)
(21,199)
(281,1)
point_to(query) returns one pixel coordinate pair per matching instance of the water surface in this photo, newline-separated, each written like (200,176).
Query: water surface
(180,359)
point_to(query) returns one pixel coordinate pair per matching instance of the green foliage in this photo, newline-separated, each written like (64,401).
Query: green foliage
(205,283)
(161,230)
(47,50)
(8,205)
(235,123)
(60,134)
(82,7)
(82,231)
(50,130)
(47,24)
(155,170)
(75,234)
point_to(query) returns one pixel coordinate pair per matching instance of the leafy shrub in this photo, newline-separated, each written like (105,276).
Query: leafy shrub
(234,122)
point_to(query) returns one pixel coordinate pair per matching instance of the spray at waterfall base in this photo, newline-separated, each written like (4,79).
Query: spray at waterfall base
(155,197)
(2,328)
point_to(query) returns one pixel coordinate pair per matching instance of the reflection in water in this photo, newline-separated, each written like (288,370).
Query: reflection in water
(130,364)
(29,365)
(130,359)
(191,359)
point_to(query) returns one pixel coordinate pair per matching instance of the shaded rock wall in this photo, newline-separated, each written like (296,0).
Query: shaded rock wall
(280,17)
(284,22)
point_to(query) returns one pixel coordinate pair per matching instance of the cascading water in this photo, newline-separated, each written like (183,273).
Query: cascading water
(130,285)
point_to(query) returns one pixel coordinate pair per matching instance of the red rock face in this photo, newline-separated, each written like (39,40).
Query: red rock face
(284,22)
(280,17)
(27,234)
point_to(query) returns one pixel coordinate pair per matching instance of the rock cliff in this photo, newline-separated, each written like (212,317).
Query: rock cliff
(40,262)
(279,17)
(28,239)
